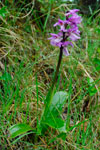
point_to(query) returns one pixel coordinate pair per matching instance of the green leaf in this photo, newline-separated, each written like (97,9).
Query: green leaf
(54,122)
(97,30)
(3,12)
(97,61)
(53,117)
(62,136)
(92,91)
(59,99)
(19,129)
(21,136)
(98,68)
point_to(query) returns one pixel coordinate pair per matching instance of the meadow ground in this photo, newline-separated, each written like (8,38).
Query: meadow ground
(27,66)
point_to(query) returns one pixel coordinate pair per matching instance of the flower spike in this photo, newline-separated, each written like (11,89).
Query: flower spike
(68,31)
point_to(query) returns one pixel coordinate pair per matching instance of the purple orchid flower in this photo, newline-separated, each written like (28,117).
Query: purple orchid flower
(65,50)
(56,39)
(71,12)
(66,35)
(75,19)
(61,23)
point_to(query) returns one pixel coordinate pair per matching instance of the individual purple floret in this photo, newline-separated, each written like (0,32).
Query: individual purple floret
(56,39)
(68,31)
(71,12)
(61,23)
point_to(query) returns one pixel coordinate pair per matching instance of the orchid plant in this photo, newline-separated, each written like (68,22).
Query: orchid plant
(68,33)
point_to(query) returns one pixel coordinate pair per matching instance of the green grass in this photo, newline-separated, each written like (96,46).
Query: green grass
(28,63)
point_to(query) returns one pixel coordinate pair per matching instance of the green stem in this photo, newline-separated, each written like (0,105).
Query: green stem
(50,93)
(57,69)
